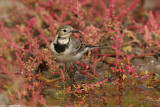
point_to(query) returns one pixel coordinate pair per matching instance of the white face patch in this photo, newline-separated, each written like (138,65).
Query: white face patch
(63,41)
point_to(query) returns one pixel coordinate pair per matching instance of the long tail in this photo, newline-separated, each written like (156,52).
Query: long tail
(89,47)
(97,47)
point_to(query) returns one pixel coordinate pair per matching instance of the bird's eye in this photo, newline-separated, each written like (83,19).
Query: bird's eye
(64,30)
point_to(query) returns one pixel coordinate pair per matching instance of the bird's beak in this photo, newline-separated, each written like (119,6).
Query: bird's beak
(75,31)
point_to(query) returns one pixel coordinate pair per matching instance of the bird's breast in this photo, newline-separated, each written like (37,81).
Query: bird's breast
(60,48)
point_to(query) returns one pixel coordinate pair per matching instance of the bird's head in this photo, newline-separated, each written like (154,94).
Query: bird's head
(66,31)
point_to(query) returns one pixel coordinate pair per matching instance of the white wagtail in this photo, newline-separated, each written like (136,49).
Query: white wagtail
(68,49)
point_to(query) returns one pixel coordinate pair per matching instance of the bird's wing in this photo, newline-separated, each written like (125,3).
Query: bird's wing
(77,46)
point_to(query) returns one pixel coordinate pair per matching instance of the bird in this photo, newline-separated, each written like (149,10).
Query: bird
(66,48)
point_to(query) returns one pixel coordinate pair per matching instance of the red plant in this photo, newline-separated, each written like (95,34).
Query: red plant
(31,72)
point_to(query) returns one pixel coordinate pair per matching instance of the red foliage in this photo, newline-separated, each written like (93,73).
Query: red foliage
(24,53)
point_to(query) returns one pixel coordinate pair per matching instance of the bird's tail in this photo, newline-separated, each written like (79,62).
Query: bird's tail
(89,47)
(97,47)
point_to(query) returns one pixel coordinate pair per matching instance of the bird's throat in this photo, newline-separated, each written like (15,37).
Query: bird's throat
(63,40)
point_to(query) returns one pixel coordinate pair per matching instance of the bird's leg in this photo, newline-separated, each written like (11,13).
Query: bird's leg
(68,74)
(71,74)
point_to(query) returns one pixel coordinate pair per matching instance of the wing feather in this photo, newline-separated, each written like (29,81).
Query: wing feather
(77,46)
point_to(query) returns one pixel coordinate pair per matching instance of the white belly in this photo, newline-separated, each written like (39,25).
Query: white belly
(68,58)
